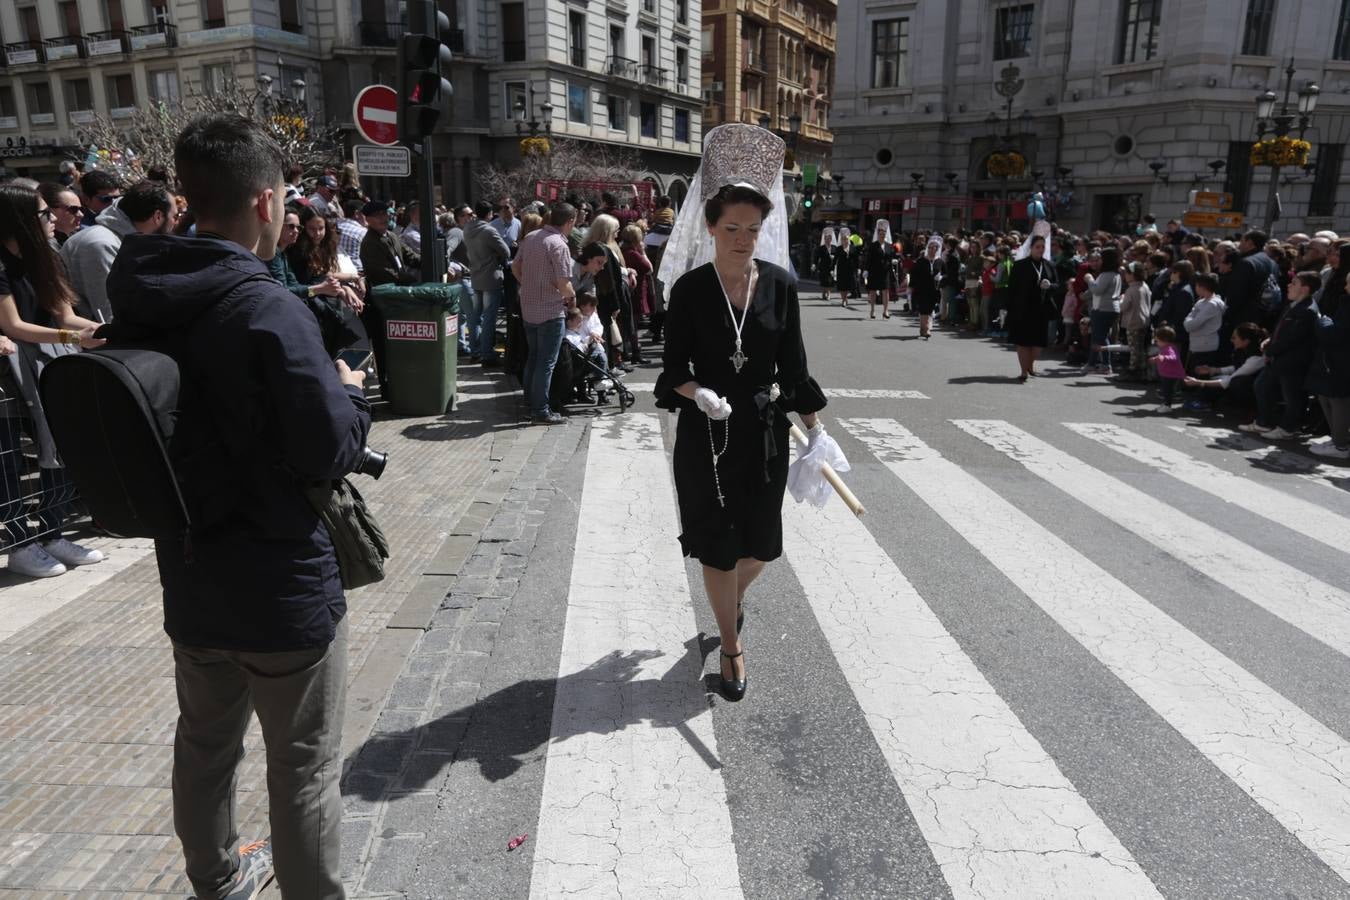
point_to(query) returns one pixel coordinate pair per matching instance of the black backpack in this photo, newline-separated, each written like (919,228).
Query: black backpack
(111,412)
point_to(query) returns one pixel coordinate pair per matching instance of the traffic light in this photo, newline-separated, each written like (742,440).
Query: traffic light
(808,197)
(424,71)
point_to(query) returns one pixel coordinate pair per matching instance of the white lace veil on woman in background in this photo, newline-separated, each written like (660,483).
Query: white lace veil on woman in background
(732,154)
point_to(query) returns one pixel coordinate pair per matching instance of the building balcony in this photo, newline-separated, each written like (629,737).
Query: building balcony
(820,38)
(791,20)
(42,118)
(153,37)
(751,115)
(378,35)
(655,76)
(82,116)
(122,112)
(105,43)
(622,67)
(759,8)
(25,53)
(754,59)
(9,122)
(817,133)
(63,48)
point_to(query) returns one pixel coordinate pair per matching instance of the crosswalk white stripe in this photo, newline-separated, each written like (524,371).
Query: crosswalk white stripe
(1295,767)
(641,387)
(633,803)
(1000,817)
(1298,515)
(1317,608)
(1271,456)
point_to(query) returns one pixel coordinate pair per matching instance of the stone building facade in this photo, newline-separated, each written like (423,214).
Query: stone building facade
(1120,106)
(613,71)
(768,61)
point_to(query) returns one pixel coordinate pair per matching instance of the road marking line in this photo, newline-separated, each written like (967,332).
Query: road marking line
(1270,457)
(646,387)
(1315,607)
(1308,519)
(633,804)
(999,815)
(1295,767)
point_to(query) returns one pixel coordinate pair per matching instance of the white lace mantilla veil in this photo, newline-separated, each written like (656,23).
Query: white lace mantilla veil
(1040,229)
(727,149)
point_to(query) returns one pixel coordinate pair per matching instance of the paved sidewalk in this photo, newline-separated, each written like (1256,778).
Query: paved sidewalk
(88,711)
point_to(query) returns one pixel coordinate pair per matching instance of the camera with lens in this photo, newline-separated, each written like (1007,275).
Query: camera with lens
(372,463)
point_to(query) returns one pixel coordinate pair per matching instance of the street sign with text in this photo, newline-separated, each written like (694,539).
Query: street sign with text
(385,162)
(375,113)
(1211,200)
(1195,219)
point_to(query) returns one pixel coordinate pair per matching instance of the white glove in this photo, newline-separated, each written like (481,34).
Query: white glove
(805,481)
(714,407)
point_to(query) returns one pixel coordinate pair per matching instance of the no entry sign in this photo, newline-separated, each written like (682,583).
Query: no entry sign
(375,113)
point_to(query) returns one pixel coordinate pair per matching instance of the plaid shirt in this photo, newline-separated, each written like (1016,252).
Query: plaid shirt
(543,259)
(350,236)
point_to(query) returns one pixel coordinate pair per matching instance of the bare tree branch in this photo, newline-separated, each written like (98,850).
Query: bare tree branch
(569,161)
(132,147)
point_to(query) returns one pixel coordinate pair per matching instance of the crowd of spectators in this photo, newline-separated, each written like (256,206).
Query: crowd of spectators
(1257,326)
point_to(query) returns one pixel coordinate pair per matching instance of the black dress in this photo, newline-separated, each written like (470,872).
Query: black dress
(923,284)
(879,266)
(825,266)
(846,269)
(1030,307)
(700,339)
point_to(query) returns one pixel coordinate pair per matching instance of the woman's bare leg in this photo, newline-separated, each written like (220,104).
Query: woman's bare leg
(723,590)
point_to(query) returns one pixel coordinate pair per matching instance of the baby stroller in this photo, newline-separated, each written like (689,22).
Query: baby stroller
(587,377)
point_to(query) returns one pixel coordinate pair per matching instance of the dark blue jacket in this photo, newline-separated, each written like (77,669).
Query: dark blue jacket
(1293,341)
(1329,374)
(262,415)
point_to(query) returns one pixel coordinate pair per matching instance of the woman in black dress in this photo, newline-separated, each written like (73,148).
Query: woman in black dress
(880,255)
(734,367)
(923,285)
(1030,306)
(846,266)
(825,255)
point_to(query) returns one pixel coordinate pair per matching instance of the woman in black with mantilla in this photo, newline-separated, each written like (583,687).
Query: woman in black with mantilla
(734,368)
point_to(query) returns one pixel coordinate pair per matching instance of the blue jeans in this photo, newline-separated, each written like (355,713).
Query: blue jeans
(1101,321)
(489,302)
(470,312)
(544,341)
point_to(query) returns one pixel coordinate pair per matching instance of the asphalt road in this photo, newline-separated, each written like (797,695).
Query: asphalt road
(1102,660)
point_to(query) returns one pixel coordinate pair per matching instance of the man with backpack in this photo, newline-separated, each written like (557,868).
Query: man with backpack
(253,600)
(1254,294)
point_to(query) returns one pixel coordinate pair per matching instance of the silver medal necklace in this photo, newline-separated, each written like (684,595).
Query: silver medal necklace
(738,359)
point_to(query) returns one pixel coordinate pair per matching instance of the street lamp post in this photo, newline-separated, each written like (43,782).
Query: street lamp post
(1279,125)
(533,126)
(1008,87)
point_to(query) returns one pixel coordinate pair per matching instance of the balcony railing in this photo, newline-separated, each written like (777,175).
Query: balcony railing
(9,122)
(655,76)
(379,34)
(754,60)
(160,34)
(67,47)
(105,43)
(23,53)
(623,67)
(513,51)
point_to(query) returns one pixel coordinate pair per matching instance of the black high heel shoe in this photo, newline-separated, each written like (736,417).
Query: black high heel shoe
(734,690)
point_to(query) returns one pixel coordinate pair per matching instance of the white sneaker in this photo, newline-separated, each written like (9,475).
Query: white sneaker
(1330,451)
(604,384)
(1254,428)
(72,554)
(34,562)
(1163,409)
(1278,434)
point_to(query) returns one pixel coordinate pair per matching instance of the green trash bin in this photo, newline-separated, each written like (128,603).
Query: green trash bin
(421,340)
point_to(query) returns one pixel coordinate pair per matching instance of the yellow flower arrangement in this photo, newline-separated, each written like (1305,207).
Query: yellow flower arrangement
(292,127)
(531,145)
(1280,151)
(1006,165)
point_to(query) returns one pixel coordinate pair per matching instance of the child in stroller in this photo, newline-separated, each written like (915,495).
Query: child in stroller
(584,339)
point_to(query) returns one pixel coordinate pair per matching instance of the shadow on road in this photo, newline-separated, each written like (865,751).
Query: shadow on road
(502,731)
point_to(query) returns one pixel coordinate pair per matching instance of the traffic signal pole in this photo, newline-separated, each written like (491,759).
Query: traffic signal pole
(424,93)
